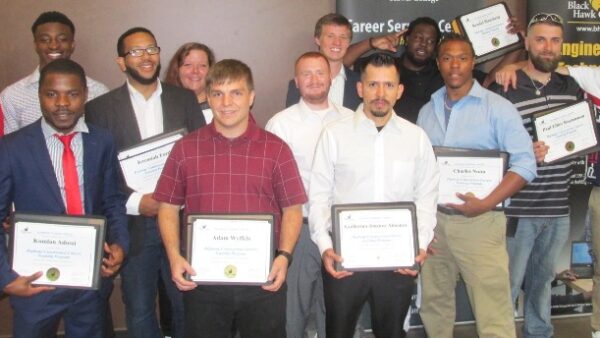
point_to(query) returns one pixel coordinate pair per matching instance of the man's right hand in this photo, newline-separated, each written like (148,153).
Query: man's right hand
(148,206)
(179,266)
(387,42)
(329,258)
(22,286)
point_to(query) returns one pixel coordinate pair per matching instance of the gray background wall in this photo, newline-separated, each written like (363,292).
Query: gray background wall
(266,34)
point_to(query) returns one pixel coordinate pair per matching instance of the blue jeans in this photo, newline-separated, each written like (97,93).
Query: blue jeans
(533,253)
(140,276)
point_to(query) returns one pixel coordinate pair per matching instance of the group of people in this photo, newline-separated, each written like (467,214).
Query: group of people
(362,135)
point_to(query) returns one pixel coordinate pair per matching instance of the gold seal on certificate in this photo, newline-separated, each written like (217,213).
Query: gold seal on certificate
(568,131)
(230,271)
(66,249)
(486,29)
(230,248)
(142,164)
(473,173)
(53,274)
(375,236)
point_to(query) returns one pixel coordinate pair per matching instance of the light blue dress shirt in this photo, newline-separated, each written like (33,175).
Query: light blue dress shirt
(480,120)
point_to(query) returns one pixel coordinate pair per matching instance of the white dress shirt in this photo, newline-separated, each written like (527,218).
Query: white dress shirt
(300,127)
(336,91)
(149,117)
(354,163)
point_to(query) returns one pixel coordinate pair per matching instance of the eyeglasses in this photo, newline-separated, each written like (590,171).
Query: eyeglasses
(140,51)
(545,17)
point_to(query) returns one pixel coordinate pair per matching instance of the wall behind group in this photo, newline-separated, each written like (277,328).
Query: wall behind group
(268,35)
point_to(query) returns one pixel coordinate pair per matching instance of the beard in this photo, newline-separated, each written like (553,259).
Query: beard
(544,65)
(139,78)
(417,62)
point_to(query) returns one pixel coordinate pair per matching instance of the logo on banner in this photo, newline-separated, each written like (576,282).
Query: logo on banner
(595,5)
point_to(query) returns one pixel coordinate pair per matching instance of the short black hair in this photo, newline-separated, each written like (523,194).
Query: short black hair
(131,31)
(381,59)
(51,17)
(426,21)
(63,66)
(453,37)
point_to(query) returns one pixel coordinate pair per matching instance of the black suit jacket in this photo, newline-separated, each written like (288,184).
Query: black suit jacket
(351,99)
(114,112)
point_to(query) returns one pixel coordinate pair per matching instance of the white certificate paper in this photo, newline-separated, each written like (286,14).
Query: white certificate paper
(230,251)
(64,253)
(486,29)
(478,176)
(376,239)
(142,165)
(567,131)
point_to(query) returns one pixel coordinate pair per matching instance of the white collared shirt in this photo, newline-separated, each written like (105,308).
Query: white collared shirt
(149,116)
(21,104)
(148,113)
(354,163)
(336,91)
(300,127)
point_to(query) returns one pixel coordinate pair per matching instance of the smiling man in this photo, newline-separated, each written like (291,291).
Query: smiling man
(231,167)
(36,175)
(333,34)
(144,107)
(300,127)
(471,240)
(53,38)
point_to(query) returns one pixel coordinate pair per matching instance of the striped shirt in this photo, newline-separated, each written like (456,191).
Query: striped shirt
(548,194)
(55,150)
(21,105)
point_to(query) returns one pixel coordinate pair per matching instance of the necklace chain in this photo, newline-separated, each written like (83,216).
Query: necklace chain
(538,90)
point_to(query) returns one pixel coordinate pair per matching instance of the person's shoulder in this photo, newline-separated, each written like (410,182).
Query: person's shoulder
(22,134)
(572,87)
(107,97)
(14,89)
(175,91)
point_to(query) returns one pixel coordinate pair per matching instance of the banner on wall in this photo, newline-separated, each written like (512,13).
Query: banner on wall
(377,17)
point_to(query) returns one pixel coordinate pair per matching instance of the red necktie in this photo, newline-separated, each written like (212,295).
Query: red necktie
(69,166)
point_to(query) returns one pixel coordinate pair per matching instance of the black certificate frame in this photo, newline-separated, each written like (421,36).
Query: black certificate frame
(591,119)
(336,211)
(459,27)
(467,152)
(97,222)
(145,142)
(189,237)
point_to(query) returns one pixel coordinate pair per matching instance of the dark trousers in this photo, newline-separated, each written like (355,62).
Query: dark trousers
(387,292)
(217,311)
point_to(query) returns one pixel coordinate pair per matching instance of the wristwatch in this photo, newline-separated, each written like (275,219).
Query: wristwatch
(285,254)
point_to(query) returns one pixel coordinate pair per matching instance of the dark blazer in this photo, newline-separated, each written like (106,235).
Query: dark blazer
(114,112)
(351,99)
(27,179)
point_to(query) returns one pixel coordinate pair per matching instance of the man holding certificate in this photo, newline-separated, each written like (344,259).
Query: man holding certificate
(371,157)
(60,165)
(300,126)
(231,168)
(470,238)
(142,108)
(540,211)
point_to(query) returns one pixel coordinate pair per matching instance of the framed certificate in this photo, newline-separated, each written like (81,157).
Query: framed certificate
(569,131)
(469,172)
(377,236)
(142,164)
(486,28)
(67,249)
(230,248)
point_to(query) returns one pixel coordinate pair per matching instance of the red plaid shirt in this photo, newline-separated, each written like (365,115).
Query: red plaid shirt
(254,173)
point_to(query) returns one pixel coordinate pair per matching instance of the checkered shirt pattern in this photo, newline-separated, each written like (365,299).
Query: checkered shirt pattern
(21,104)
(254,173)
